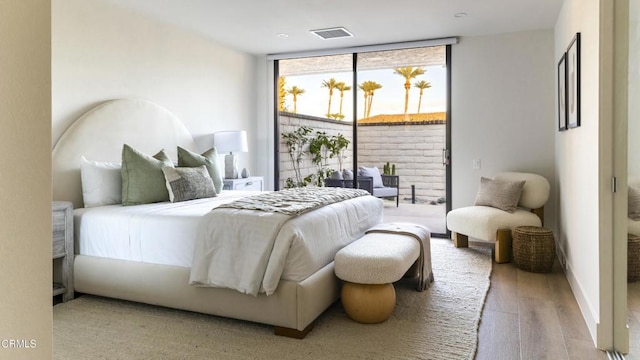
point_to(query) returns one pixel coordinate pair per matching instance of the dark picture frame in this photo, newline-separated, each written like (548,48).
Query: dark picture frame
(573,82)
(562,93)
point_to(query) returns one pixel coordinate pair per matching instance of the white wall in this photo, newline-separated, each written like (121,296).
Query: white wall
(634,89)
(502,110)
(101,52)
(627,132)
(25,188)
(265,145)
(584,166)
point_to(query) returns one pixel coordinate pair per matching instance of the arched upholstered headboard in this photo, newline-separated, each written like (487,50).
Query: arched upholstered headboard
(100,133)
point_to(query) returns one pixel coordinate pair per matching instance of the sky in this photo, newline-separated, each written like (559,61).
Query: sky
(387,100)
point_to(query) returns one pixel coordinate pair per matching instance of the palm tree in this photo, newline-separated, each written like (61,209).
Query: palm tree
(408,73)
(365,90)
(330,84)
(342,87)
(282,81)
(295,91)
(421,85)
(368,88)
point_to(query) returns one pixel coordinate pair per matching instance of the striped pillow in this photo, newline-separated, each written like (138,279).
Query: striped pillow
(500,194)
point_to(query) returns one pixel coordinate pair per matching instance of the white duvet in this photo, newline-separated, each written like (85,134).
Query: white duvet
(167,233)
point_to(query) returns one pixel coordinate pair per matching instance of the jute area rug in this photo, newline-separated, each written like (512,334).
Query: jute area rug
(440,323)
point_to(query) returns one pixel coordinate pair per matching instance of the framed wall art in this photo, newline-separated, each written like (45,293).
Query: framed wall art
(573,82)
(562,93)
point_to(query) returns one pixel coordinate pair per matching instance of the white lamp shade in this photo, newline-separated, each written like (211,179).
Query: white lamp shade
(230,141)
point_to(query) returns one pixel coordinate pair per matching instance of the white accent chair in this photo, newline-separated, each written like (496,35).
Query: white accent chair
(494,225)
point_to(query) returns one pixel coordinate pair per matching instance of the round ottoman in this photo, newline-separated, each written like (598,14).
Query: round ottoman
(633,258)
(534,248)
(369,266)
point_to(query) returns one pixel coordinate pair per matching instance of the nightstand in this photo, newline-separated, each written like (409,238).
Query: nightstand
(250,183)
(62,246)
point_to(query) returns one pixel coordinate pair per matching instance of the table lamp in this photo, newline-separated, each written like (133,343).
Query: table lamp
(230,141)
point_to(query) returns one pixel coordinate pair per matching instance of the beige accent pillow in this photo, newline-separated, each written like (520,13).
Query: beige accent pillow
(142,177)
(634,203)
(500,194)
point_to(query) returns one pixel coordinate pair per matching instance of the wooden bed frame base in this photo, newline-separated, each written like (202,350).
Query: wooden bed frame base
(293,333)
(291,309)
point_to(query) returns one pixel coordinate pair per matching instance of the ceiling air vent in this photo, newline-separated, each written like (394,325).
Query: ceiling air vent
(332,33)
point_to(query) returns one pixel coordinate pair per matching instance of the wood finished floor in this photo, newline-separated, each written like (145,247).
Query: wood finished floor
(531,316)
(633,290)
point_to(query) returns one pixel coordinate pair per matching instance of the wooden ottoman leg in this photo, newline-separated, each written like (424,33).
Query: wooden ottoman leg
(460,240)
(503,246)
(368,303)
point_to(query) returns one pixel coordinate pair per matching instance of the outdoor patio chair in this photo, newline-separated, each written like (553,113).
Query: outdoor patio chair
(390,185)
(364,183)
(381,185)
(509,200)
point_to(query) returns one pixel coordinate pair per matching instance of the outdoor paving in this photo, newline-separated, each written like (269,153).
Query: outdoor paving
(431,216)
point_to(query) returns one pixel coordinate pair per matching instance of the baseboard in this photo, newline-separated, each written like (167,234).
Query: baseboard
(588,313)
(586,309)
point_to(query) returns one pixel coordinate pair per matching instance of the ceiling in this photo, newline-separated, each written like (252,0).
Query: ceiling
(252,26)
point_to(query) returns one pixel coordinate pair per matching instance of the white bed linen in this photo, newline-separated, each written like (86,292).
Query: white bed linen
(159,233)
(166,233)
(256,263)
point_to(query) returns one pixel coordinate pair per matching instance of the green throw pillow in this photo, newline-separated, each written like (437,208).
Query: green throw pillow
(143,181)
(209,159)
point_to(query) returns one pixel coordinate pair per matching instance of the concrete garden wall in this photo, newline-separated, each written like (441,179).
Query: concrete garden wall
(415,149)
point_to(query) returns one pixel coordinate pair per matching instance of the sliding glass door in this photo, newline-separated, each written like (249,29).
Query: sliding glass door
(385,109)
(402,129)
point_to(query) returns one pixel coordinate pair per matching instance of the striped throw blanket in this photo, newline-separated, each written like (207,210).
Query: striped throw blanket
(295,201)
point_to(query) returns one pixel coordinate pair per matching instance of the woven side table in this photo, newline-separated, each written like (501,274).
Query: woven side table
(633,258)
(534,248)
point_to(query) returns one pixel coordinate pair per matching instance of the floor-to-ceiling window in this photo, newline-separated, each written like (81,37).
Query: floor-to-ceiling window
(387,109)
(315,118)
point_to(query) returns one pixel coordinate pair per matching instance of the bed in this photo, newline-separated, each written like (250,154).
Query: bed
(140,271)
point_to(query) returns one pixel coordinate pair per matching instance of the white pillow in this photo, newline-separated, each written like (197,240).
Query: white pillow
(373,172)
(101,183)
